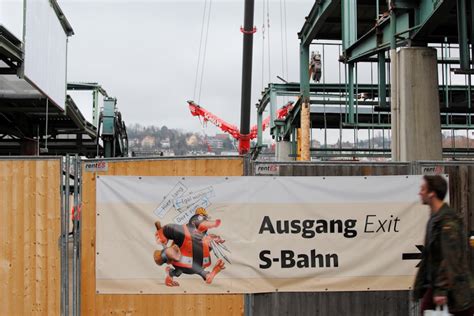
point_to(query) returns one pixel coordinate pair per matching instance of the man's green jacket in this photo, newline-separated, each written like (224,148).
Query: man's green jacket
(444,266)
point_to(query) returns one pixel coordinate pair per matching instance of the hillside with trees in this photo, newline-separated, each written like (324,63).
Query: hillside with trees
(154,140)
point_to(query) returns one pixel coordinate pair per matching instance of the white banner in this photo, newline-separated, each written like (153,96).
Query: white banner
(268,233)
(45,50)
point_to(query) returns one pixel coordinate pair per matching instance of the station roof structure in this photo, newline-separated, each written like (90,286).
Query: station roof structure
(28,115)
(363,29)
(432,21)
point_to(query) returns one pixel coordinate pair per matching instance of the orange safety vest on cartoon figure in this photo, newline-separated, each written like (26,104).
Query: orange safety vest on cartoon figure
(186,249)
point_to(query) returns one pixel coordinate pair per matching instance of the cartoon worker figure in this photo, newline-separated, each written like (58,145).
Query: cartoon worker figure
(190,250)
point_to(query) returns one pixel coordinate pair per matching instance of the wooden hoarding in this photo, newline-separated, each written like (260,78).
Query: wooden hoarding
(140,304)
(30,205)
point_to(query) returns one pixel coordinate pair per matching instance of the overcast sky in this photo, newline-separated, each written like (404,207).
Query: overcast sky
(145,53)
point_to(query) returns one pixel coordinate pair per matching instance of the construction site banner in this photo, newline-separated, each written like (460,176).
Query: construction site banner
(257,234)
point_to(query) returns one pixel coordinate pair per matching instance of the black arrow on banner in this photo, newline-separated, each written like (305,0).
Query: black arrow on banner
(414,256)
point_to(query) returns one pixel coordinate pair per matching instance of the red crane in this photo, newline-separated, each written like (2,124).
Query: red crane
(244,140)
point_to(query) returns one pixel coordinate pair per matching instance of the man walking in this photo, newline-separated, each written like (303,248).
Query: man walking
(444,274)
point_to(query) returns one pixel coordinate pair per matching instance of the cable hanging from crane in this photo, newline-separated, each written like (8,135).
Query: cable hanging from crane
(202,49)
(269,48)
(205,50)
(201,61)
(286,39)
(282,39)
(263,44)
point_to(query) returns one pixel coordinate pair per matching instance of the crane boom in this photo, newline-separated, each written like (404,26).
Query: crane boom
(244,140)
(280,114)
(199,111)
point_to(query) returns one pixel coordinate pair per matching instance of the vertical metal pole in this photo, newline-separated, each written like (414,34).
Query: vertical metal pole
(356,79)
(294,145)
(349,22)
(62,242)
(66,233)
(324,97)
(469,100)
(248,305)
(46,129)
(95,107)
(259,129)
(394,89)
(343,26)
(79,236)
(247,67)
(462,35)
(273,105)
(382,80)
(377,9)
(75,235)
(446,75)
(108,148)
(472,32)
(351,92)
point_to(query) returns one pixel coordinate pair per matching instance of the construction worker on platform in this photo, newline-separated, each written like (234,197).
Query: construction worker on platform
(315,69)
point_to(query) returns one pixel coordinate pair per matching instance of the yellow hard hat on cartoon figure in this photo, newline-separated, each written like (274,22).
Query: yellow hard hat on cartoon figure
(201,211)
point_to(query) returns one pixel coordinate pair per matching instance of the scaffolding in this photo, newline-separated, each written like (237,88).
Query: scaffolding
(355,98)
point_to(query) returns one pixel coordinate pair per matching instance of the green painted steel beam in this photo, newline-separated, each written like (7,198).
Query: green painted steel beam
(286,127)
(86,86)
(350,87)
(378,39)
(366,125)
(425,16)
(429,15)
(95,107)
(462,35)
(282,88)
(339,101)
(273,106)
(382,80)
(108,127)
(108,117)
(259,130)
(388,125)
(304,73)
(73,112)
(472,34)
(349,22)
(316,19)
(406,4)
(393,29)
(289,122)
(293,89)
(96,89)
(472,31)
(294,142)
